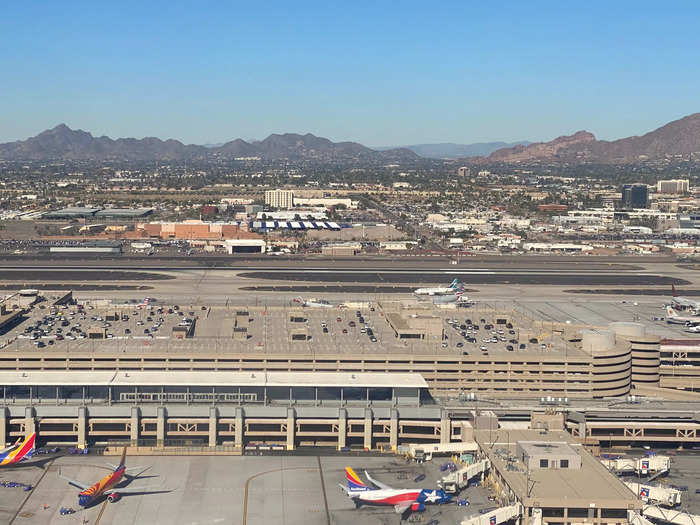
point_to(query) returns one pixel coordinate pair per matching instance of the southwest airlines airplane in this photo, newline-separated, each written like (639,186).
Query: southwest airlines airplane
(402,500)
(19,451)
(108,486)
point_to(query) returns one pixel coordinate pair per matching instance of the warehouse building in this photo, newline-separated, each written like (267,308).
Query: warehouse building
(95,247)
(234,246)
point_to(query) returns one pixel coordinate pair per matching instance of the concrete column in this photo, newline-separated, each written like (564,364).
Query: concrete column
(445,427)
(82,427)
(213,423)
(29,420)
(238,437)
(4,415)
(342,428)
(582,430)
(291,428)
(368,428)
(161,420)
(135,426)
(394,429)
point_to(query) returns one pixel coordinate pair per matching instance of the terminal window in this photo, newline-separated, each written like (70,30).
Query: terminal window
(564,463)
(544,463)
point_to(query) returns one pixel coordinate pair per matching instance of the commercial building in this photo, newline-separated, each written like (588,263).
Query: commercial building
(325,202)
(245,246)
(464,171)
(72,213)
(279,199)
(673,186)
(635,196)
(194,230)
(123,213)
(96,247)
(341,250)
(553,479)
(101,213)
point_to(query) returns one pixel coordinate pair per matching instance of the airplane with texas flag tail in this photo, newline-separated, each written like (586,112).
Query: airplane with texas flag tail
(21,450)
(109,485)
(403,500)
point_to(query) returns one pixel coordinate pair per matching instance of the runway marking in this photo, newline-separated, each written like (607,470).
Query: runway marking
(323,490)
(251,478)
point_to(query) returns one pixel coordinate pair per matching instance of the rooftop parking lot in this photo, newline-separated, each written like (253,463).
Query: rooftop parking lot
(139,328)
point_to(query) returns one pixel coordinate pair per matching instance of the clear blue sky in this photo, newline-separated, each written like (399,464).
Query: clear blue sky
(381,73)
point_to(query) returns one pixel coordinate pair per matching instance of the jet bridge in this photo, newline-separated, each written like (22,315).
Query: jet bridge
(653,466)
(457,480)
(656,495)
(670,516)
(500,515)
(635,518)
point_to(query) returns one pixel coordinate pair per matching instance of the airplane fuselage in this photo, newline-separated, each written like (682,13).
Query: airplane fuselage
(90,494)
(388,497)
(433,291)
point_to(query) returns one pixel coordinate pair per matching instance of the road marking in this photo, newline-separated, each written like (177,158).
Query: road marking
(99,516)
(323,490)
(251,478)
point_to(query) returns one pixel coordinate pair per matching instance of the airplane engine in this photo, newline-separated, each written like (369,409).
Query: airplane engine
(417,507)
(113,497)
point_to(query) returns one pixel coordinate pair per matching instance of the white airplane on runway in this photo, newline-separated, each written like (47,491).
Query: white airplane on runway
(313,303)
(693,329)
(439,290)
(672,317)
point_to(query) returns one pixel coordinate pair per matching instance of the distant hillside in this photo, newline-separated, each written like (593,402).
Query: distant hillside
(62,142)
(448,150)
(680,137)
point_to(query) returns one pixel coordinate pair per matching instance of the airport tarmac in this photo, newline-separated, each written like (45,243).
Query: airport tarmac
(247,490)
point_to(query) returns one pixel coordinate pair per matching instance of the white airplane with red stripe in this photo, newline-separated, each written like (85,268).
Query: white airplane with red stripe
(402,500)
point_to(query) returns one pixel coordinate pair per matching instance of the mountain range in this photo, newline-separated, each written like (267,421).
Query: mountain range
(449,150)
(64,143)
(678,138)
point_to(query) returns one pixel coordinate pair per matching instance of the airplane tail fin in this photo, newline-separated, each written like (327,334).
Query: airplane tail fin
(673,290)
(460,290)
(454,284)
(25,450)
(122,462)
(355,484)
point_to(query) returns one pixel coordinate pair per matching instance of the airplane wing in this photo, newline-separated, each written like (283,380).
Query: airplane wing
(81,486)
(376,483)
(136,490)
(126,473)
(400,508)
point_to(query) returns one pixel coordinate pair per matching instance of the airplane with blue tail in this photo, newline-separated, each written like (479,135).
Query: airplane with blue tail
(403,500)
